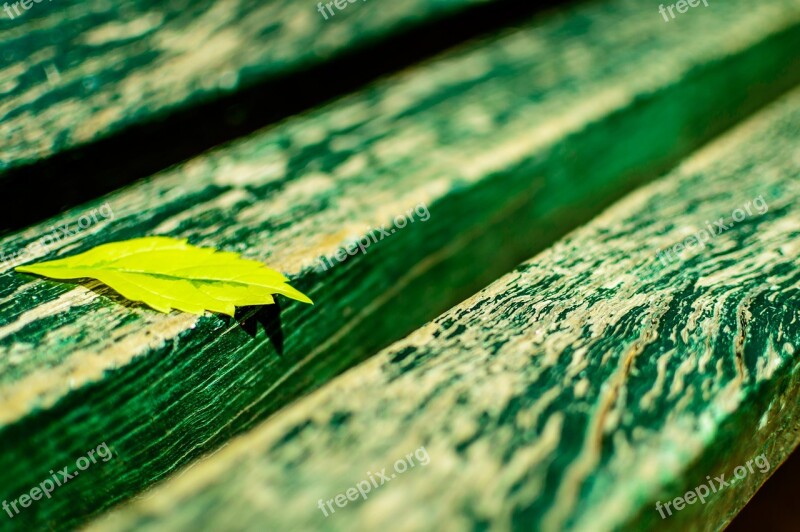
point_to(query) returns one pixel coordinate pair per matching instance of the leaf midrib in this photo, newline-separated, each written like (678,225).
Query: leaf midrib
(175,277)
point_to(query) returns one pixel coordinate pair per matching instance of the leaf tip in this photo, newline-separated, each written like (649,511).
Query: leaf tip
(32,269)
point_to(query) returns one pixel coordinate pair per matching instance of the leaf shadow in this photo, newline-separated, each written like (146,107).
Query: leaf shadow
(269,316)
(248,318)
(107,292)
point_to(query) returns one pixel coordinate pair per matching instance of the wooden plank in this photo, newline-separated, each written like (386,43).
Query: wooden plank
(75,72)
(108,96)
(507,140)
(574,393)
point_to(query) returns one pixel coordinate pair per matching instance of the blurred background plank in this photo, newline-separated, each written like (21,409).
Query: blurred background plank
(76,71)
(509,141)
(96,95)
(573,393)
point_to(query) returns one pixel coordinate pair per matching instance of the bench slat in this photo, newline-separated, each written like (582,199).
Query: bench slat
(77,71)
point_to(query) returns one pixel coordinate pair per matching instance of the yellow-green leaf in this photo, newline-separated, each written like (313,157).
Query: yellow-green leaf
(167,273)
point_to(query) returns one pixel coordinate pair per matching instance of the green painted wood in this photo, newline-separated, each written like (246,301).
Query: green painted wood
(573,393)
(75,71)
(506,140)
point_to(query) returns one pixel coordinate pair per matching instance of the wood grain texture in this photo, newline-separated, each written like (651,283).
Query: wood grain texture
(506,140)
(75,71)
(573,393)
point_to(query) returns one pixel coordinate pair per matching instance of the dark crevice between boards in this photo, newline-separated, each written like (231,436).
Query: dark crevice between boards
(772,507)
(87,172)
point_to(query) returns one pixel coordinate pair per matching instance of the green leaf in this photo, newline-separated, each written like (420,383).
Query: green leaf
(167,273)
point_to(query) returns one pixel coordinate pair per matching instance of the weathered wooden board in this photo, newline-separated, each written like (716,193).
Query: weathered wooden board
(504,141)
(74,71)
(110,94)
(575,392)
